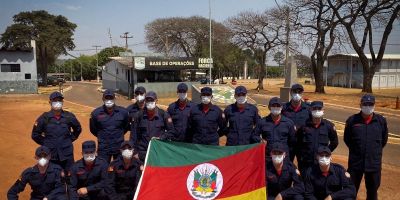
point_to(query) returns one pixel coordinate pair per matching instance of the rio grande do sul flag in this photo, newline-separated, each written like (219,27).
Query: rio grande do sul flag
(191,171)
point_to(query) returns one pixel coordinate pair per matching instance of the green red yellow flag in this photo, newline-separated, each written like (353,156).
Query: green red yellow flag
(182,171)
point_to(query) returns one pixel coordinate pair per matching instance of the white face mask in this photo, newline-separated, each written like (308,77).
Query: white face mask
(43,162)
(296,97)
(56,105)
(277,159)
(140,98)
(317,113)
(182,96)
(276,110)
(367,109)
(89,157)
(324,160)
(241,99)
(150,105)
(109,103)
(205,99)
(127,153)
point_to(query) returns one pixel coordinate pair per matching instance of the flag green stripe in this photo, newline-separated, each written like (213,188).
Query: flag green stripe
(172,154)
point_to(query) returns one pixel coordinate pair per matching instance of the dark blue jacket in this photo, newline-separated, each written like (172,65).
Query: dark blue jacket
(300,117)
(288,184)
(123,181)
(365,142)
(241,126)
(311,138)
(144,129)
(94,180)
(180,120)
(49,185)
(283,132)
(109,129)
(133,109)
(337,184)
(206,127)
(57,135)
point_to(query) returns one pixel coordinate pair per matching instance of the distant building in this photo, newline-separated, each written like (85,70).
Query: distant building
(159,74)
(345,70)
(18,73)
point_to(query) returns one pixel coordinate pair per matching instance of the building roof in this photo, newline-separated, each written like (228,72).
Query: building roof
(127,61)
(385,56)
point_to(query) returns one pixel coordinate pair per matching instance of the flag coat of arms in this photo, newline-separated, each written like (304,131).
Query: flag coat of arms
(182,171)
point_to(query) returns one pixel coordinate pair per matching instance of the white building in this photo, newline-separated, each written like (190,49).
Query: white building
(18,73)
(345,70)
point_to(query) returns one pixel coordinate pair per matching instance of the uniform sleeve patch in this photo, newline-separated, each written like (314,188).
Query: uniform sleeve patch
(347,174)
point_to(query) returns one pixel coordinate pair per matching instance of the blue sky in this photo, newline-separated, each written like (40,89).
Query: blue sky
(94,17)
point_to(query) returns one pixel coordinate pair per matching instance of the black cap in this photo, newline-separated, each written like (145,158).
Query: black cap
(182,87)
(55,95)
(275,100)
(324,149)
(88,146)
(206,90)
(42,150)
(367,98)
(296,87)
(108,93)
(140,89)
(277,146)
(317,104)
(152,95)
(125,143)
(240,90)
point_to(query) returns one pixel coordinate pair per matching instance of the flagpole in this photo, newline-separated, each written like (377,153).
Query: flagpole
(144,168)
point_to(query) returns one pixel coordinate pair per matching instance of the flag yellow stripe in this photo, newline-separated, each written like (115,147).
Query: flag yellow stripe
(259,194)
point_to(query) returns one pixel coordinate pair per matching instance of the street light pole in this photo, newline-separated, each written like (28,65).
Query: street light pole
(209,15)
(97,63)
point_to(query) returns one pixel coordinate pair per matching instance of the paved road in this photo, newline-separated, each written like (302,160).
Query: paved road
(87,94)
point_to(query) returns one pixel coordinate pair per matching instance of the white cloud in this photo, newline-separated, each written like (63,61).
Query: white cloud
(71,7)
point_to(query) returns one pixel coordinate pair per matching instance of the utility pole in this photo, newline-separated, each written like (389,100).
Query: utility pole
(97,62)
(126,39)
(209,15)
(111,43)
(287,82)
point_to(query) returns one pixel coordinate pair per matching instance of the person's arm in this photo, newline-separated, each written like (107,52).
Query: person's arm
(297,188)
(333,137)
(348,190)
(292,141)
(73,184)
(110,186)
(347,133)
(169,132)
(76,128)
(93,124)
(385,131)
(221,123)
(255,138)
(38,129)
(125,123)
(134,129)
(18,186)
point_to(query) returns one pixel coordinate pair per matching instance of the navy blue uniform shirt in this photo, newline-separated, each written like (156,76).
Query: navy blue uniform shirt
(365,142)
(180,118)
(43,185)
(206,127)
(337,183)
(109,128)
(241,125)
(57,133)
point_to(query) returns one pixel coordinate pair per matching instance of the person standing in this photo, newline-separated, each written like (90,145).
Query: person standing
(242,119)
(109,123)
(57,129)
(366,134)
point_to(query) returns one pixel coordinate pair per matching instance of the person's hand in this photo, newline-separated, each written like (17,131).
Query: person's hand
(136,156)
(278,197)
(45,198)
(328,197)
(82,191)
(157,138)
(141,167)
(133,100)
(264,141)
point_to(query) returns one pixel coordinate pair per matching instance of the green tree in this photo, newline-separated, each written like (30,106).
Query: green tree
(279,57)
(105,54)
(53,36)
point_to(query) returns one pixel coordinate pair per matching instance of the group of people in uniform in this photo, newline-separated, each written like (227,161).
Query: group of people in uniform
(296,129)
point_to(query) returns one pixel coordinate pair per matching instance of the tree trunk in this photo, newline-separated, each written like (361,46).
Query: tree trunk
(318,75)
(367,80)
(261,77)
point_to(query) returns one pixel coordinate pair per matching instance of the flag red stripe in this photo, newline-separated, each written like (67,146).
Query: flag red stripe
(243,172)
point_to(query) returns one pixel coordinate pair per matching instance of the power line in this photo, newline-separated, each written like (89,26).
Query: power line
(126,39)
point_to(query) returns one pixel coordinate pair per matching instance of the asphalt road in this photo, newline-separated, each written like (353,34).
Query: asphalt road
(86,94)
